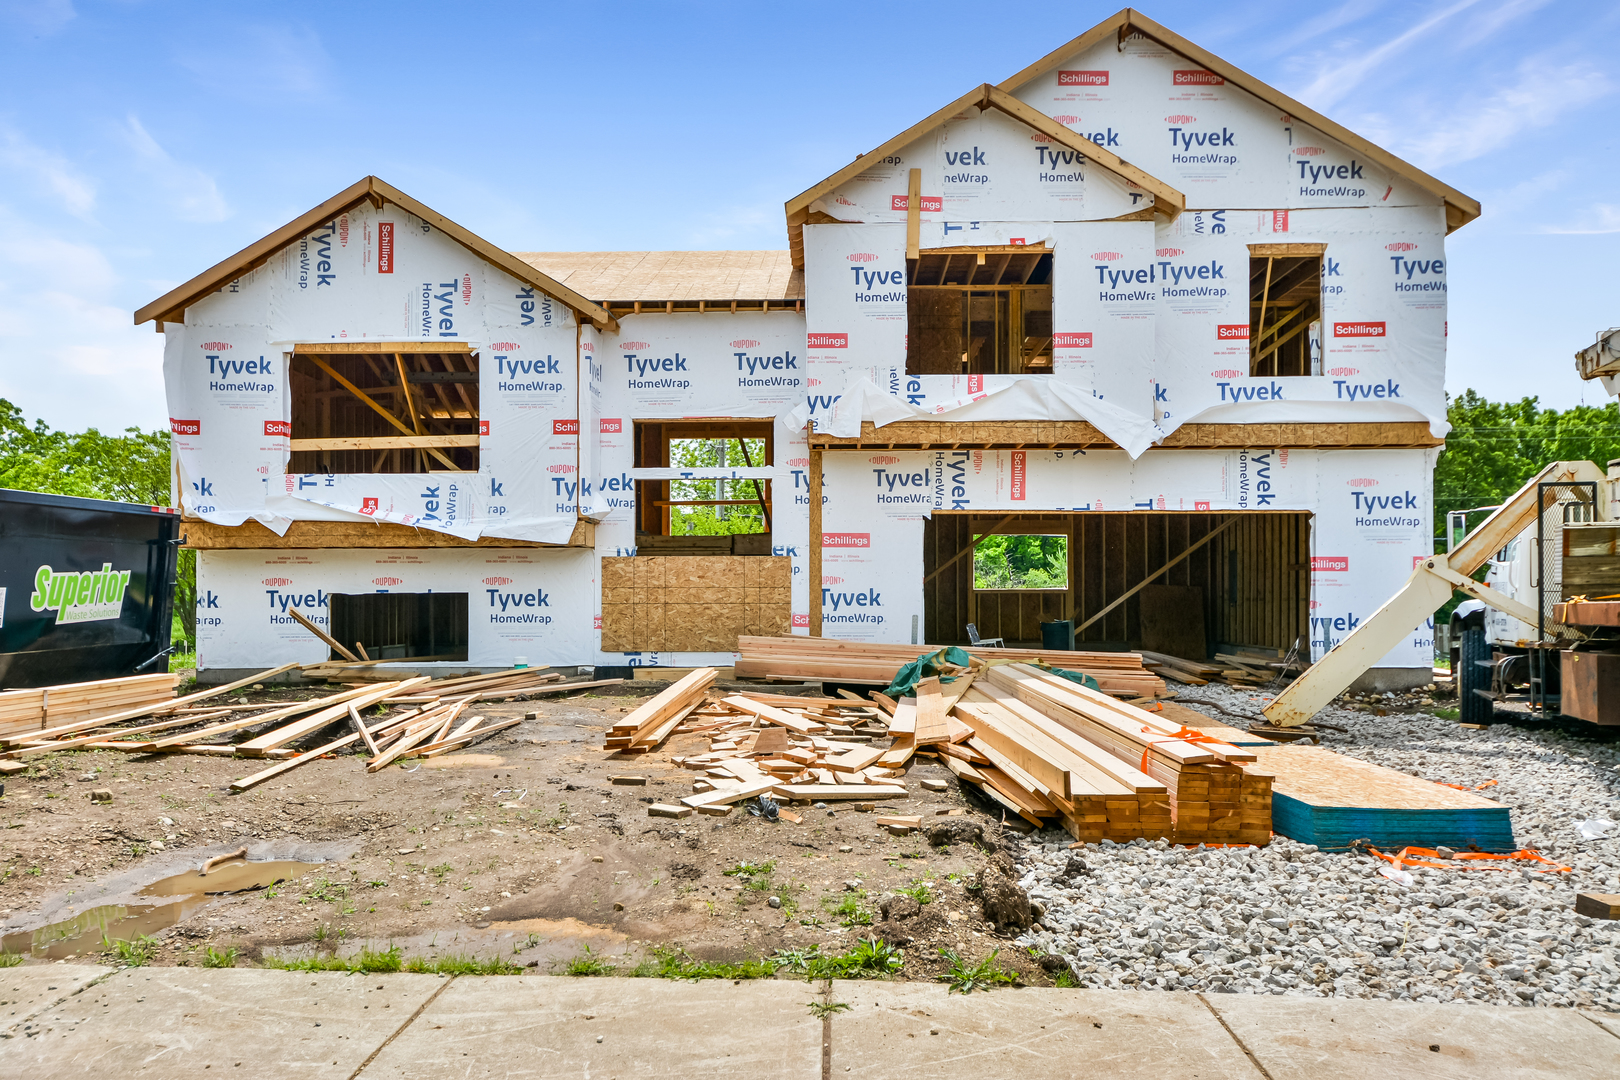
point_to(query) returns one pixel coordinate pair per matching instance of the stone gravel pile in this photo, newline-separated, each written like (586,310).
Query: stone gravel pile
(1288,918)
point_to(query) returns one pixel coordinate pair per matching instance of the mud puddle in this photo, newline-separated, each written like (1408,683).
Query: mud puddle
(85,933)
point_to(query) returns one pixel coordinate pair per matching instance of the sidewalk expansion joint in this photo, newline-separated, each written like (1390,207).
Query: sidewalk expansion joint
(1241,1045)
(409,1020)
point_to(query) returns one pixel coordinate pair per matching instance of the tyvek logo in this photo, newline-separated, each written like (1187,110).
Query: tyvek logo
(867,598)
(368,507)
(846,540)
(1196,78)
(1232,332)
(862,257)
(565,427)
(1106,256)
(827,341)
(185,427)
(1358,329)
(278,581)
(1071,341)
(1362,482)
(1082,78)
(1400,245)
(497,581)
(1166,253)
(278,427)
(1309,151)
(1020,474)
(884,459)
(745,343)
(635,345)
(614,426)
(387,582)
(385,247)
(1330,564)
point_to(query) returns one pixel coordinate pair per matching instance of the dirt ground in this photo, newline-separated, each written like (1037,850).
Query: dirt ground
(519,847)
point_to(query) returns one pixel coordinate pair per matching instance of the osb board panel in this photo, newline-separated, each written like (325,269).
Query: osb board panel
(1322,778)
(206,536)
(1170,623)
(673,603)
(1078,433)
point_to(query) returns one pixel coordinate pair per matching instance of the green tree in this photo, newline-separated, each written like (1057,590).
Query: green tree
(1021,562)
(725,520)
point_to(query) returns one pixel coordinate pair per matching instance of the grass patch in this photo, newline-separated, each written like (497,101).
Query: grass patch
(1447,714)
(378,961)
(848,911)
(462,965)
(10,959)
(870,958)
(219,958)
(588,963)
(966,977)
(136,953)
(823,1009)
(918,891)
(676,963)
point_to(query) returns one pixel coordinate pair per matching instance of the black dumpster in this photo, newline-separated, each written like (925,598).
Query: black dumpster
(86,587)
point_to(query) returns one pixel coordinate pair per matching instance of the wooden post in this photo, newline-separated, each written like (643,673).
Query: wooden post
(815,541)
(914,214)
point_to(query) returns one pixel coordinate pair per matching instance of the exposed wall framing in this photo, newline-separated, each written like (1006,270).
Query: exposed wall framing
(375,412)
(1255,576)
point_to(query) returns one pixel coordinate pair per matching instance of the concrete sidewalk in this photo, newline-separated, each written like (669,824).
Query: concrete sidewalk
(244,1024)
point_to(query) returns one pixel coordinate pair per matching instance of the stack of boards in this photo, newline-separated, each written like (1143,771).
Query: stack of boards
(51,706)
(857,663)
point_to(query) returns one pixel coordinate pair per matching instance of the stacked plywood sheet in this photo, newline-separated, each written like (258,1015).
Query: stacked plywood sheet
(1117,673)
(1329,800)
(671,603)
(1212,797)
(49,706)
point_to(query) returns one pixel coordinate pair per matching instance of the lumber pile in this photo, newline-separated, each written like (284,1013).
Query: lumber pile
(790,747)
(806,658)
(420,720)
(48,706)
(654,720)
(486,687)
(1236,665)
(1203,783)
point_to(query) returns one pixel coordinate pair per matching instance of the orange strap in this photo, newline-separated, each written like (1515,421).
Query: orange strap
(1460,787)
(1186,735)
(1523,854)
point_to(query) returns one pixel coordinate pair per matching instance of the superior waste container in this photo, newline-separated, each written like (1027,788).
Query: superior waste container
(86,587)
(1057,635)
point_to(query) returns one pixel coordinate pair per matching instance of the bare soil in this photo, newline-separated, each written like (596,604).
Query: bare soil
(520,847)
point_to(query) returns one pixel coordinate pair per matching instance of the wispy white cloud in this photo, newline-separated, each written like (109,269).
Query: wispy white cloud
(1334,84)
(256,61)
(1542,92)
(192,193)
(43,17)
(1345,14)
(1604,219)
(48,172)
(1485,24)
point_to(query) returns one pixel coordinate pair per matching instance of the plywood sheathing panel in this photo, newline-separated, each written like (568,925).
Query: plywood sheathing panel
(693,603)
(655,276)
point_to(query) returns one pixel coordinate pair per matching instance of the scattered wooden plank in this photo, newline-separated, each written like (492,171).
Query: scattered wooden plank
(931,727)
(331,642)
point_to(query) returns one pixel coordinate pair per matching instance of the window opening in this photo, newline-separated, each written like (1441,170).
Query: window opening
(401,626)
(1285,309)
(705,507)
(980,311)
(1027,561)
(373,411)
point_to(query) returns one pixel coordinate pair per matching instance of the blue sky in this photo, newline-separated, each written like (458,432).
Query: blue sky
(142,142)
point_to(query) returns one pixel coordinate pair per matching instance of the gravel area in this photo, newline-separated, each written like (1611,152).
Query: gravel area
(1289,919)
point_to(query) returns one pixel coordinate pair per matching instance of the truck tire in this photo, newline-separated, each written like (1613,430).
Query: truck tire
(1472,675)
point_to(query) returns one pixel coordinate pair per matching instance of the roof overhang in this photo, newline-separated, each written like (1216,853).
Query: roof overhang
(1460,209)
(171,306)
(1167,201)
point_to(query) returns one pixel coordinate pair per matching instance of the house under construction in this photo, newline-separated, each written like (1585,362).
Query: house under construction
(1130,296)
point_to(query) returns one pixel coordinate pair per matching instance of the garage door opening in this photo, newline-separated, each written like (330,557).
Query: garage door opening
(401,626)
(1245,582)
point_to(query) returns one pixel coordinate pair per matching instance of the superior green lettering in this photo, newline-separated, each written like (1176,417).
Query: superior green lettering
(80,596)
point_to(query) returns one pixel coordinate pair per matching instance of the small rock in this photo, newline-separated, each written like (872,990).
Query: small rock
(846,849)
(852,884)
(596,858)
(775,902)
(101,795)
(157,845)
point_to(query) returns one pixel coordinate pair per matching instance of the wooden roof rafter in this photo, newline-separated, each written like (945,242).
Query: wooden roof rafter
(1460,208)
(171,306)
(1166,199)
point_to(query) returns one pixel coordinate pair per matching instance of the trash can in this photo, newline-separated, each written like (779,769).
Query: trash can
(1058,635)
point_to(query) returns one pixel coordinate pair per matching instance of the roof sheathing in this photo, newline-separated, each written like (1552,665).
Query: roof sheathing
(1460,209)
(624,278)
(1166,198)
(171,306)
